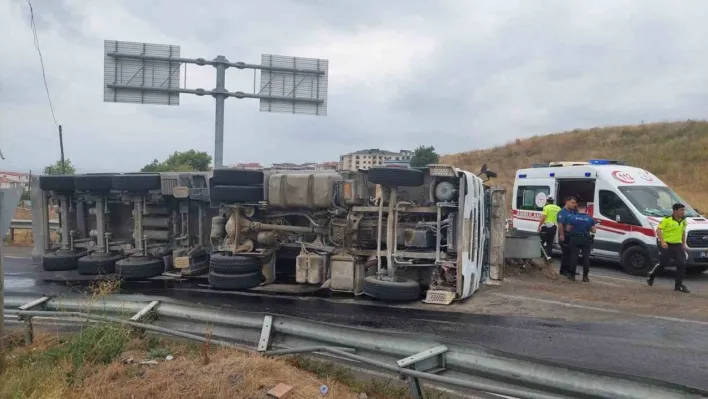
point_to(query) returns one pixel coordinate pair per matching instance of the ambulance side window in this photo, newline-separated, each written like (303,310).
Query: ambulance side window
(526,197)
(612,205)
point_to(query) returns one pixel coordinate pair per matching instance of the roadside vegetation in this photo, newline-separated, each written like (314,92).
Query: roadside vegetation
(106,361)
(675,152)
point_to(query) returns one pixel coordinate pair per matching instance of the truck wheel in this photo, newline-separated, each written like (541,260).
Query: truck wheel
(56,183)
(636,261)
(236,264)
(137,182)
(61,260)
(139,268)
(400,290)
(96,182)
(238,194)
(235,281)
(237,177)
(396,177)
(695,270)
(98,263)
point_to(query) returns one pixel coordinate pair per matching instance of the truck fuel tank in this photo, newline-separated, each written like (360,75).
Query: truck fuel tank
(302,190)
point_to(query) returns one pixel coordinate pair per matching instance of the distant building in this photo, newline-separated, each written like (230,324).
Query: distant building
(327,166)
(13,179)
(365,159)
(249,165)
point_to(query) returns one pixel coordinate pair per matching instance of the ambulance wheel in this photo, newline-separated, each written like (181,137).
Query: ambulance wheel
(636,261)
(399,290)
(396,177)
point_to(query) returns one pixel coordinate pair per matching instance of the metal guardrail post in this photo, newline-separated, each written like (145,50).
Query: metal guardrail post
(28,328)
(264,340)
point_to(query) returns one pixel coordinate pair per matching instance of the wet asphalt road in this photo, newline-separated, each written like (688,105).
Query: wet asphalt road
(670,351)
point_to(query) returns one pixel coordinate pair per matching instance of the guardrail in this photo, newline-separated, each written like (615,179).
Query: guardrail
(26,224)
(412,356)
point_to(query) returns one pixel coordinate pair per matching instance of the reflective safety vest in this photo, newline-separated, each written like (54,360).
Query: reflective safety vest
(672,230)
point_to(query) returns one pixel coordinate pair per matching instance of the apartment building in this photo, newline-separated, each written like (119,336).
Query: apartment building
(13,179)
(365,159)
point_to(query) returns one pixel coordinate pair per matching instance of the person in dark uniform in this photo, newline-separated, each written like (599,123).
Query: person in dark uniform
(580,228)
(671,234)
(563,218)
(548,226)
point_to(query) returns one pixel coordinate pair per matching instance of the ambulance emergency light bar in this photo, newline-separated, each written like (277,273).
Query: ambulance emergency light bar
(606,162)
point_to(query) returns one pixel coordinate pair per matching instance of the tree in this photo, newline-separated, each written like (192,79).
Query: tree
(56,169)
(423,156)
(181,161)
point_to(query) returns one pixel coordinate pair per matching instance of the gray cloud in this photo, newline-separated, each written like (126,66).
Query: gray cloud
(454,74)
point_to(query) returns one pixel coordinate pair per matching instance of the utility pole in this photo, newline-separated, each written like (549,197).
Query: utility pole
(61,147)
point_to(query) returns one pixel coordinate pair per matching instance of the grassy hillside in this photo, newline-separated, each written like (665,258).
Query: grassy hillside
(677,152)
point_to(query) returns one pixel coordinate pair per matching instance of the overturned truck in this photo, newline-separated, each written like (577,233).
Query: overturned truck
(385,232)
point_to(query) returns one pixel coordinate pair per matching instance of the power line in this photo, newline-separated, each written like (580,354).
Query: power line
(41,61)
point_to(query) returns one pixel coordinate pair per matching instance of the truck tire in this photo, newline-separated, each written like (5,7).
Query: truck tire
(237,177)
(235,281)
(98,263)
(137,182)
(56,183)
(61,260)
(396,177)
(636,261)
(95,182)
(695,270)
(237,194)
(401,290)
(139,268)
(236,264)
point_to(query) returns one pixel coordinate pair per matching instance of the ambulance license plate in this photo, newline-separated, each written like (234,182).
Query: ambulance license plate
(703,255)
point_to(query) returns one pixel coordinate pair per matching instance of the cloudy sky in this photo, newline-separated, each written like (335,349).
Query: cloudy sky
(458,74)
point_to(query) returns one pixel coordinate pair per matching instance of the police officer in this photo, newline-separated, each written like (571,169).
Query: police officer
(580,228)
(564,215)
(671,234)
(547,227)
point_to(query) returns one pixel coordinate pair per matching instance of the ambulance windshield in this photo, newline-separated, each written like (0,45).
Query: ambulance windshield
(654,200)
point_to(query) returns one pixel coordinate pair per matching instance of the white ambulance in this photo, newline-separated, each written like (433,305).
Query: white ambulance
(627,202)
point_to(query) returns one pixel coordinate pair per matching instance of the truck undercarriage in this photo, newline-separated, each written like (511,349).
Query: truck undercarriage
(386,232)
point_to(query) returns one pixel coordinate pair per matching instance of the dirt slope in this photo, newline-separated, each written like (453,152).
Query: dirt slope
(677,152)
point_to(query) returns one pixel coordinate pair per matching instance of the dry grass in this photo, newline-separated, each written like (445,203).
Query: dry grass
(675,152)
(91,365)
(229,374)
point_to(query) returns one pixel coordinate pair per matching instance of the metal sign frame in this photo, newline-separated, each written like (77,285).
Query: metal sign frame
(128,78)
(294,85)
